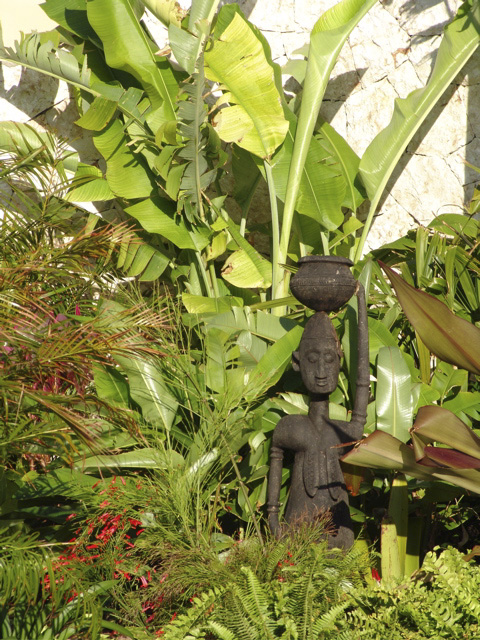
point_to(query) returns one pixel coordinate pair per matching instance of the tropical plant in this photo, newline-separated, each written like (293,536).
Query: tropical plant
(296,595)
(443,447)
(163,153)
(440,601)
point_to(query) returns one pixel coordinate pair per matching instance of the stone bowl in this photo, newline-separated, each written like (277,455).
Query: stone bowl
(323,283)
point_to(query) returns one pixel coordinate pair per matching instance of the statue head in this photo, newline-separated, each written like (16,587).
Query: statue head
(318,357)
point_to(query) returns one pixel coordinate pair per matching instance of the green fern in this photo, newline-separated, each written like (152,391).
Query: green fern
(190,623)
(441,601)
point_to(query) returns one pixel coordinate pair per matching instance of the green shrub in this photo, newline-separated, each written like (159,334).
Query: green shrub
(440,601)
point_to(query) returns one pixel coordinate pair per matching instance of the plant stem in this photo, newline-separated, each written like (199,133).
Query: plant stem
(276,269)
(367,225)
(206,280)
(213,278)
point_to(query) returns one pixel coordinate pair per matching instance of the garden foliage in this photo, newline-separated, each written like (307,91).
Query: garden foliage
(145,348)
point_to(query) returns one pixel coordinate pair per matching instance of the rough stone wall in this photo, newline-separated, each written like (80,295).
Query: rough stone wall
(389,54)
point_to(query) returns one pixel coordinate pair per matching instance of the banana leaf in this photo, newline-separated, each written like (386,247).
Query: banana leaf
(72,16)
(127,48)
(145,458)
(322,186)
(167,11)
(254,116)
(393,397)
(128,174)
(328,36)
(156,215)
(186,44)
(149,391)
(271,366)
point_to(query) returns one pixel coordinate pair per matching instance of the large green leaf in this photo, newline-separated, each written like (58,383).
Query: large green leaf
(156,215)
(328,36)
(72,16)
(450,338)
(128,174)
(140,259)
(461,38)
(127,48)
(254,118)
(393,398)
(246,267)
(271,366)
(322,186)
(88,185)
(187,45)
(148,390)
(348,162)
(110,385)
(167,11)
(145,458)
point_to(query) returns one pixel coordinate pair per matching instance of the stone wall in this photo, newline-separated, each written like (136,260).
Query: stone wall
(389,54)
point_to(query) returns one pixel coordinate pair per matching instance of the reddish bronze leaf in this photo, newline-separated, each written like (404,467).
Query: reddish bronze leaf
(449,337)
(450,458)
(436,424)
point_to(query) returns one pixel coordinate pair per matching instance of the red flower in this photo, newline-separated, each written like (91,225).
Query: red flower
(376,575)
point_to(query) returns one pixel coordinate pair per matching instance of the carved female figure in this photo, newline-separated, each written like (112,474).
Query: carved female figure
(317,483)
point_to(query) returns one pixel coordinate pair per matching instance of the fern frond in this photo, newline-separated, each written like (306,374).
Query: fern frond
(327,621)
(256,605)
(221,632)
(192,621)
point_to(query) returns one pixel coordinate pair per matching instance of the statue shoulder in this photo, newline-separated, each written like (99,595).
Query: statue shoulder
(292,432)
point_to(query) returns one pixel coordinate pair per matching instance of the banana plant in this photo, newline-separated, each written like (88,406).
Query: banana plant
(163,151)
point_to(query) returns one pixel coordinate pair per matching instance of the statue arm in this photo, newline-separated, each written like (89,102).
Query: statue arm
(274,484)
(359,414)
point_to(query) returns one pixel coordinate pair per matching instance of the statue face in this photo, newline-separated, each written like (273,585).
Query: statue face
(319,365)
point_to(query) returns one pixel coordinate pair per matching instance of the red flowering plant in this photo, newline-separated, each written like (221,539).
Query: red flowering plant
(105,547)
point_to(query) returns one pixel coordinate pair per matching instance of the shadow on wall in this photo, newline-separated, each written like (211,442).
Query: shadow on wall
(247,6)
(412,8)
(470,79)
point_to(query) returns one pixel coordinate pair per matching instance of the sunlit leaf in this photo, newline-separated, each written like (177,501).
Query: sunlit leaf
(148,390)
(254,118)
(128,174)
(167,11)
(127,48)
(394,401)
(274,362)
(145,458)
(157,215)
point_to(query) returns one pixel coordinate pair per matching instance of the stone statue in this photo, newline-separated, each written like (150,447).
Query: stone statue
(317,482)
